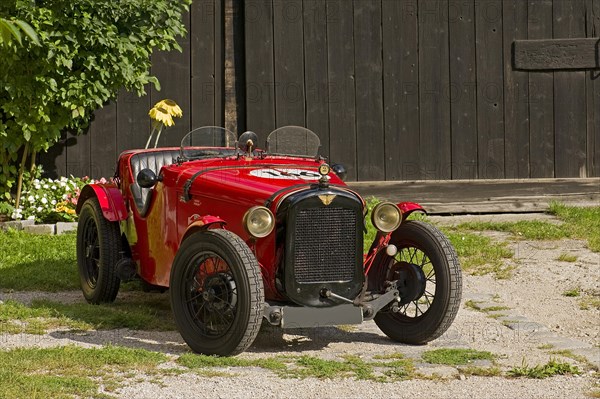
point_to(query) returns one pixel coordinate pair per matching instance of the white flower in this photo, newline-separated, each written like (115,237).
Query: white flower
(37,196)
(53,202)
(31,198)
(53,187)
(36,181)
(64,196)
(46,186)
(44,200)
(39,208)
(37,186)
(63,184)
(31,217)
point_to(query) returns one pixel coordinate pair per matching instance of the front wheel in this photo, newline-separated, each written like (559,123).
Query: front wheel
(427,274)
(216,293)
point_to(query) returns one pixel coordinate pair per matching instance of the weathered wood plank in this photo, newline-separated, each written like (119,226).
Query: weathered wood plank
(54,161)
(342,109)
(174,67)
(541,96)
(401,89)
(133,122)
(219,34)
(260,82)
(203,41)
(289,63)
(434,83)
(78,154)
(570,121)
(516,94)
(579,53)
(593,96)
(369,90)
(490,85)
(315,70)
(103,141)
(463,89)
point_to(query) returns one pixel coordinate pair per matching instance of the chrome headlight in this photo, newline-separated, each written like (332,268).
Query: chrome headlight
(386,217)
(259,221)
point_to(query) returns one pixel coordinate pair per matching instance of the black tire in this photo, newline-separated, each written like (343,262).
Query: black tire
(428,314)
(99,248)
(217,293)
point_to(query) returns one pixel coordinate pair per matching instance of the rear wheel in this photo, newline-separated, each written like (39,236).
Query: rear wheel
(216,293)
(98,250)
(427,274)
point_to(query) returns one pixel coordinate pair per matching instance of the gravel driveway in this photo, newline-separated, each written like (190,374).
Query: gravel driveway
(536,319)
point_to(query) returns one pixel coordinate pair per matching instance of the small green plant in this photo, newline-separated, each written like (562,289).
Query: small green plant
(481,371)
(588,302)
(570,355)
(565,257)
(543,371)
(453,356)
(546,346)
(574,292)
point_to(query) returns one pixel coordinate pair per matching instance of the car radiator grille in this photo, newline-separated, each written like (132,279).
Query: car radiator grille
(325,245)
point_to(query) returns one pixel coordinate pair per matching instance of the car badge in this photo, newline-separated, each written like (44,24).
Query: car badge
(327,199)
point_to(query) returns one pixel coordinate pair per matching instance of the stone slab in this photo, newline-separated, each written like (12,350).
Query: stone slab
(41,229)
(63,227)
(16,224)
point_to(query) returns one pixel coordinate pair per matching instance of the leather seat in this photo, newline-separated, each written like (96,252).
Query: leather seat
(154,160)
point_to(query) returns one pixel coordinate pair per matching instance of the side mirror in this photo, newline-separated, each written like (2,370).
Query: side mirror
(340,170)
(147,178)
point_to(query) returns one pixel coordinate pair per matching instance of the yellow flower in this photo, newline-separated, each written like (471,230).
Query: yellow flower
(164,111)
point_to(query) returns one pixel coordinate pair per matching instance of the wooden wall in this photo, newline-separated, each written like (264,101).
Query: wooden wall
(396,89)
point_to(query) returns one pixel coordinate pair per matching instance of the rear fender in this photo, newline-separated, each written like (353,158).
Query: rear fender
(110,200)
(202,223)
(409,207)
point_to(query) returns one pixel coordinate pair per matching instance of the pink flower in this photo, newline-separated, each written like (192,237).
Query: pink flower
(103,180)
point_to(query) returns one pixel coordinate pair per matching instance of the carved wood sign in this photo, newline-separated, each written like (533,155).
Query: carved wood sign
(556,54)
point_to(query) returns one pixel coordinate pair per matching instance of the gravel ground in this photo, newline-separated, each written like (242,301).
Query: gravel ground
(538,316)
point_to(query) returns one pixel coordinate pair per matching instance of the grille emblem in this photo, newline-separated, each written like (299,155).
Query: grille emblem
(327,199)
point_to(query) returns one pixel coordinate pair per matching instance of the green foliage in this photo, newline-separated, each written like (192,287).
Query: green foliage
(89,50)
(583,223)
(543,371)
(12,29)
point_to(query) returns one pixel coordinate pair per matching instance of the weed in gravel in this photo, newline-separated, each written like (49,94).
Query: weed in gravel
(549,369)
(589,302)
(574,292)
(37,262)
(570,355)
(455,356)
(477,306)
(546,346)
(69,371)
(565,257)
(481,371)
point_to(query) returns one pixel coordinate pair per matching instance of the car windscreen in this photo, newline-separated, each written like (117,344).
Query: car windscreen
(293,140)
(207,141)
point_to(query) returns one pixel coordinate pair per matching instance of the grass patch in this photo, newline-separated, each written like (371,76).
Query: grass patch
(570,355)
(565,257)
(594,393)
(572,292)
(546,346)
(527,229)
(582,223)
(310,366)
(479,255)
(148,313)
(454,357)
(66,372)
(38,262)
(543,371)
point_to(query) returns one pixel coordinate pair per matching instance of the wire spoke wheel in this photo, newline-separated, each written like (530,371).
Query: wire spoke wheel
(216,293)
(428,277)
(99,248)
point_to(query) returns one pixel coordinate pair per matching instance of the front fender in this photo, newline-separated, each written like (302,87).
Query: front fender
(202,223)
(409,207)
(110,200)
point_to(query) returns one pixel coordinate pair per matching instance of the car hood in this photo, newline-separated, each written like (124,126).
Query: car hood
(251,182)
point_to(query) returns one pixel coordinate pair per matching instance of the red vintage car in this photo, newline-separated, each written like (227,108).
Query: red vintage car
(238,234)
